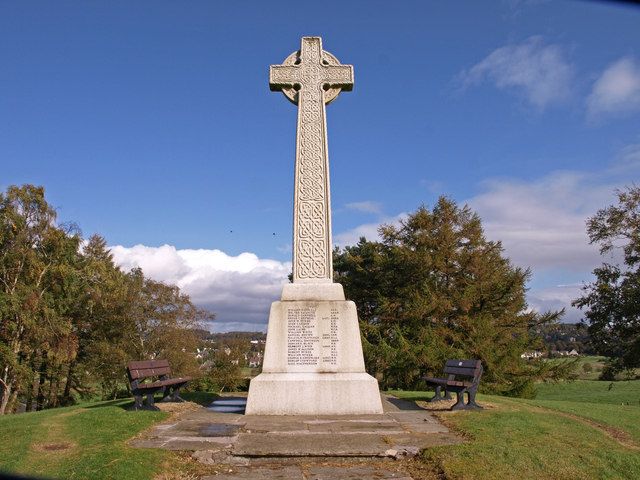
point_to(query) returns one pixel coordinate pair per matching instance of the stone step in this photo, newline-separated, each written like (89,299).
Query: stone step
(309,445)
(313,472)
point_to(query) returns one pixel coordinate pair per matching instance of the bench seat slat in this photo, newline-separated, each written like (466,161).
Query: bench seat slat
(447,382)
(163,383)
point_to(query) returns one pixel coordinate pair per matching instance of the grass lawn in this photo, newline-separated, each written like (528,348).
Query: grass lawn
(576,430)
(589,391)
(87,441)
(580,430)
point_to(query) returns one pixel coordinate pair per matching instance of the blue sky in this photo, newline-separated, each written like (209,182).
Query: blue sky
(152,124)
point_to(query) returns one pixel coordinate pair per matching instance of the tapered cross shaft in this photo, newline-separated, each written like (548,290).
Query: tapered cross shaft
(311,78)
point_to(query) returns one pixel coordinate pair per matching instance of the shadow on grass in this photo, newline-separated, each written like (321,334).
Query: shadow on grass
(408,404)
(201,398)
(124,403)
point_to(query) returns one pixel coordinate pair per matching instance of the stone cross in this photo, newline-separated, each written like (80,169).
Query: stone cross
(311,78)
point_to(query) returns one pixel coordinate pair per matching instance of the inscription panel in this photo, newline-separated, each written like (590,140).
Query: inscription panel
(313,339)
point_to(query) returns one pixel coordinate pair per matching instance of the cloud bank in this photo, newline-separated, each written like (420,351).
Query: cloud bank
(541,224)
(238,289)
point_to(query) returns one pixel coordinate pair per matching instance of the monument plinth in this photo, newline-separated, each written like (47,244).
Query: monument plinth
(313,362)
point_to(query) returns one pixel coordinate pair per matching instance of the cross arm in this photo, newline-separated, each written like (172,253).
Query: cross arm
(339,76)
(283,76)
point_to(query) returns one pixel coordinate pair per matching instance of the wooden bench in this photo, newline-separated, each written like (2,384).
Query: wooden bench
(158,372)
(463,377)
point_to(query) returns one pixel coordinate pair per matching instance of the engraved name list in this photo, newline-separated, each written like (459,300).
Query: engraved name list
(312,337)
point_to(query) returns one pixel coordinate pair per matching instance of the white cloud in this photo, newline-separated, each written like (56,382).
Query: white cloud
(542,223)
(238,289)
(538,71)
(617,91)
(367,206)
(555,298)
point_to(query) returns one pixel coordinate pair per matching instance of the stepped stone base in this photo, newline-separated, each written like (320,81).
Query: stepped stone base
(313,362)
(314,394)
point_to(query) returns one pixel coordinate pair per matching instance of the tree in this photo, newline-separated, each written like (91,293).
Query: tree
(70,319)
(35,259)
(224,370)
(435,288)
(612,302)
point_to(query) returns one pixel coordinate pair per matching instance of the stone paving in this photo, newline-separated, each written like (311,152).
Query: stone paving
(302,447)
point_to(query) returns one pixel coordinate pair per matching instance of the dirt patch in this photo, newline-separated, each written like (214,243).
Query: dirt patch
(52,447)
(445,405)
(176,408)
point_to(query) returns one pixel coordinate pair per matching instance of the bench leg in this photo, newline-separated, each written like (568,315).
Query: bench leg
(151,404)
(471,403)
(440,395)
(172,394)
(137,404)
(459,405)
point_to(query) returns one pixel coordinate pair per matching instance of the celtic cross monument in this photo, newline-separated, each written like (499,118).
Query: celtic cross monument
(313,361)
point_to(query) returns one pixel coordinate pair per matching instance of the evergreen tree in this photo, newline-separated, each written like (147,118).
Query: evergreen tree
(434,288)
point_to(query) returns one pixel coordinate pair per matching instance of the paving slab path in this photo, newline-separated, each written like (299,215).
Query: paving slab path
(302,447)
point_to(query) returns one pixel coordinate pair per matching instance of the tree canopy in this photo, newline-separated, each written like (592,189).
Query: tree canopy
(434,288)
(72,319)
(612,302)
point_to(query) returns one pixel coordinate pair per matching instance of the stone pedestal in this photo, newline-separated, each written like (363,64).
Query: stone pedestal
(313,363)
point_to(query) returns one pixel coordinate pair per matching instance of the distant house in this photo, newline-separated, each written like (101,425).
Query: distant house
(529,355)
(201,352)
(567,353)
(254,361)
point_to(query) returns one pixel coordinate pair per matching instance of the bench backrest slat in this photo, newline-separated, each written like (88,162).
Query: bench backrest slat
(462,363)
(148,368)
(468,372)
(465,368)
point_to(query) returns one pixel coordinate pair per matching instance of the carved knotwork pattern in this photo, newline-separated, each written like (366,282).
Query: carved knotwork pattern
(313,251)
(311,218)
(301,77)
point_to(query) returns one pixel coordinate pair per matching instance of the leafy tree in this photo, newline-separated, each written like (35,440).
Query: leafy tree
(35,253)
(612,302)
(435,288)
(224,371)
(70,318)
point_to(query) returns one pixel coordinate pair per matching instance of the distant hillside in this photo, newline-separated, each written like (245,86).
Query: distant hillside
(566,337)
(225,337)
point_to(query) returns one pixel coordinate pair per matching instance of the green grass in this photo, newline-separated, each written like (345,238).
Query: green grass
(577,430)
(623,392)
(82,442)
